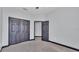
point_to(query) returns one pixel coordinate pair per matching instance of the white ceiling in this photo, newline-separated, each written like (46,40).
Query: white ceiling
(40,11)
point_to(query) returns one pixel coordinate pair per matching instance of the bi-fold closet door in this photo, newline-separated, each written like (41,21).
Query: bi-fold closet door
(19,30)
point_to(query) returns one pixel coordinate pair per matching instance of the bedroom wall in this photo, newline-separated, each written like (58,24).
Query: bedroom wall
(14,12)
(0,28)
(64,26)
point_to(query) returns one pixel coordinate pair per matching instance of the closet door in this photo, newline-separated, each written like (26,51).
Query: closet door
(13,30)
(25,30)
(19,30)
(45,30)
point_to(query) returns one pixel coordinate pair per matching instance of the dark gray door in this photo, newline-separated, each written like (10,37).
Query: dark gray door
(19,30)
(45,30)
(24,30)
(13,31)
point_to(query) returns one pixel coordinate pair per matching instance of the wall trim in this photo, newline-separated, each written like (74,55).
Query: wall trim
(63,45)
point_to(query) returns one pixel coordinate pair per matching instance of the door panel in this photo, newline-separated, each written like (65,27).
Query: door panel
(45,30)
(19,30)
(24,33)
(13,30)
(26,30)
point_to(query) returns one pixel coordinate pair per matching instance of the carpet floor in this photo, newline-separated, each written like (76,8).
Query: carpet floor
(36,45)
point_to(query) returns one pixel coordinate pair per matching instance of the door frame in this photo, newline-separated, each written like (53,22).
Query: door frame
(9,29)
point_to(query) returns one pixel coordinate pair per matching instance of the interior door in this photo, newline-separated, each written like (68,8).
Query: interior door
(19,30)
(45,30)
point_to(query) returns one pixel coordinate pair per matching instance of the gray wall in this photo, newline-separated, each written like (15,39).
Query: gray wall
(64,26)
(0,28)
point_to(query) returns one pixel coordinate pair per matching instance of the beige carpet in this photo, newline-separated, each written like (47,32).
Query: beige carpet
(36,46)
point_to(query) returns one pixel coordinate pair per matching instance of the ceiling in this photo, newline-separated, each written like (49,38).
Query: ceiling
(40,11)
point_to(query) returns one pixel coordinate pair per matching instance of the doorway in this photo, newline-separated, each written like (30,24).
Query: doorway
(19,30)
(38,30)
(41,30)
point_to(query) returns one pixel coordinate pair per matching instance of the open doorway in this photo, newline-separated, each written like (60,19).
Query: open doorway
(38,30)
(41,30)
